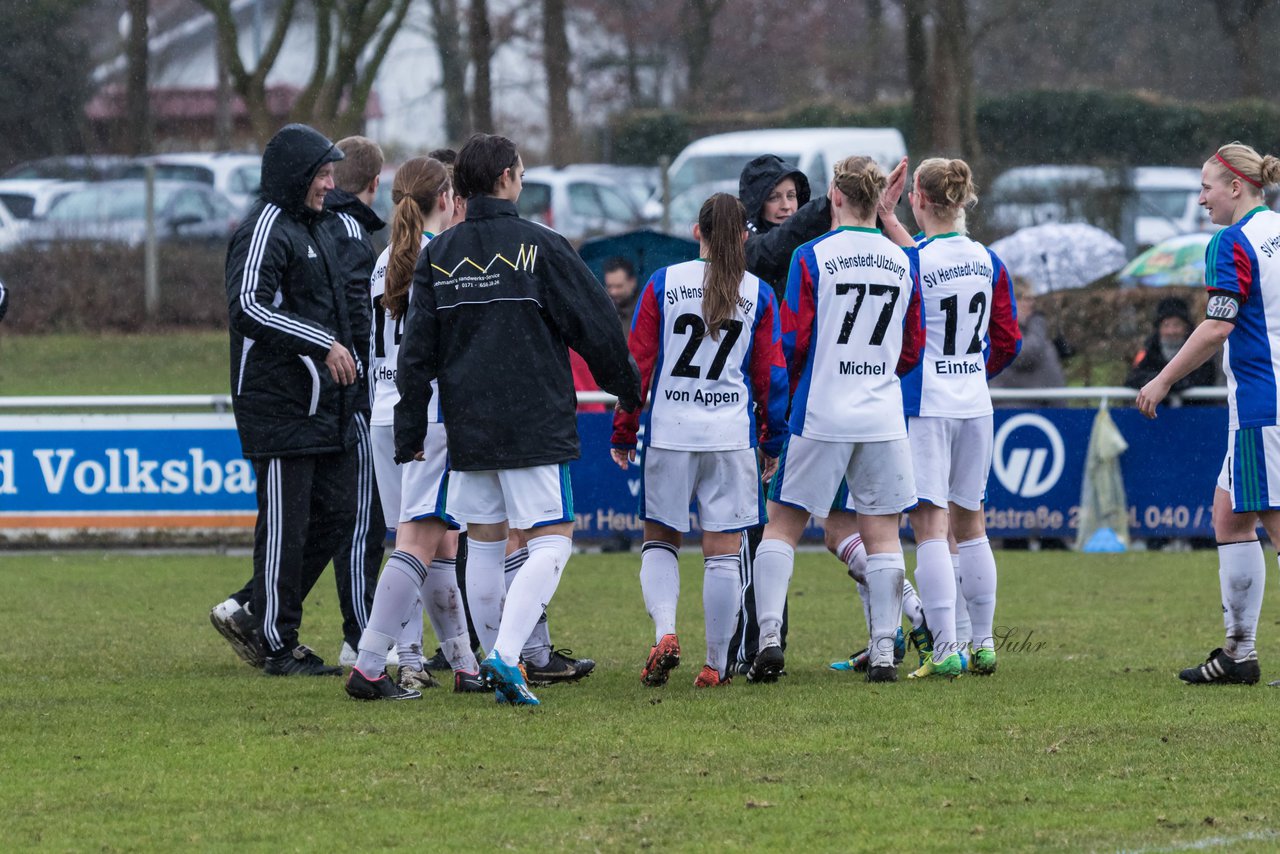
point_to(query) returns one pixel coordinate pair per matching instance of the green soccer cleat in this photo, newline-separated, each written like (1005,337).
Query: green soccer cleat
(922,640)
(949,667)
(983,662)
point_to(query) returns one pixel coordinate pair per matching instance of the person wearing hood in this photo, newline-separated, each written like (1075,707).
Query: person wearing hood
(359,558)
(1171,330)
(294,392)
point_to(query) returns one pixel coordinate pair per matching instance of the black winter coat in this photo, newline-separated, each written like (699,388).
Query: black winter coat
(1150,361)
(770,247)
(286,307)
(351,227)
(496,303)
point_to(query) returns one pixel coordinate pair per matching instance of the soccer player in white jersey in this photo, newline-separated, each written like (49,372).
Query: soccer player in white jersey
(1242,273)
(706,337)
(971,324)
(422,569)
(851,325)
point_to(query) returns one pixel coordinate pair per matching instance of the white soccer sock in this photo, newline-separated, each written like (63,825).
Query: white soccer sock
(486,588)
(911,606)
(978,586)
(937,582)
(530,593)
(885,572)
(774,563)
(660,585)
(458,652)
(537,649)
(864,593)
(397,594)
(964,629)
(409,643)
(444,609)
(720,592)
(1242,575)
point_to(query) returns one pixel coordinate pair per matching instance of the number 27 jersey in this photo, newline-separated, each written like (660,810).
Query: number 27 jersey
(705,392)
(851,325)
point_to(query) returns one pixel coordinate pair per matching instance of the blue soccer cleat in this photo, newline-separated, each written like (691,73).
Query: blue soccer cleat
(507,681)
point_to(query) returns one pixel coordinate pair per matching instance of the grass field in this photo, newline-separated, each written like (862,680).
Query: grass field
(130,726)
(186,362)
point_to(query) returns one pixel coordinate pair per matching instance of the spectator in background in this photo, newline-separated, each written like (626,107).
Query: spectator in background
(620,282)
(1037,365)
(1172,329)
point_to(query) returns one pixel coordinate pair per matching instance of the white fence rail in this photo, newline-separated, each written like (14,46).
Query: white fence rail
(222,402)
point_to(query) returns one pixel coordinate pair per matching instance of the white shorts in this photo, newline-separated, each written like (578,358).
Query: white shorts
(725,483)
(952,459)
(525,498)
(878,475)
(414,490)
(1252,464)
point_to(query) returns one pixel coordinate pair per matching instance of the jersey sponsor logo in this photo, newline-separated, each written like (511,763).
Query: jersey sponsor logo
(526,258)
(968,268)
(1033,465)
(863,369)
(1269,246)
(867,259)
(1222,307)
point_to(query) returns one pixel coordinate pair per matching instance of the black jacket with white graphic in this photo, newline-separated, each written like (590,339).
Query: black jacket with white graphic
(351,227)
(497,301)
(286,307)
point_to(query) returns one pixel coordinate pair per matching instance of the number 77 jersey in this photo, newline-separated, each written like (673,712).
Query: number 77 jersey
(706,391)
(851,325)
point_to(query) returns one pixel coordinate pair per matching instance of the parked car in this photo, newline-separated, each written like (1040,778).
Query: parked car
(10,229)
(638,183)
(813,150)
(1035,195)
(31,198)
(115,212)
(236,176)
(75,167)
(1167,203)
(578,205)
(684,207)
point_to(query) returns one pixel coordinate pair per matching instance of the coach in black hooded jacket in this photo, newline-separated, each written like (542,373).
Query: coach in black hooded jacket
(770,246)
(294,389)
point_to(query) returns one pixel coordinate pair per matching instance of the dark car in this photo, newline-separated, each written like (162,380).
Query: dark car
(115,212)
(73,167)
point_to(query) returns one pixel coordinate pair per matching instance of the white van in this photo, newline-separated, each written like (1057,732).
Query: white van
(1167,204)
(720,158)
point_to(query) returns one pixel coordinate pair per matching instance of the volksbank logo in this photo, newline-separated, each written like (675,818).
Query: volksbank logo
(1032,463)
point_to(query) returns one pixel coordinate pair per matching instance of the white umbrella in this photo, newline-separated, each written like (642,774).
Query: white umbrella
(1060,256)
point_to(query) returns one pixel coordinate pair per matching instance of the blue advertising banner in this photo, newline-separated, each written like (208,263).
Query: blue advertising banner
(185,471)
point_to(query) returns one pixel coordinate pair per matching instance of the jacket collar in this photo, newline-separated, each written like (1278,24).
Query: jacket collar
(340,201)
(487,207)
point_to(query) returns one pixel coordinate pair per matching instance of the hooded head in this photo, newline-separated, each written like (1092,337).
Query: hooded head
(758,179)
(290,162)
(1173,324)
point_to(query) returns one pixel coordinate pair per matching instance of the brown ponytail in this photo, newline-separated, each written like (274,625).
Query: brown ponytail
(721,221)
(861,181)
(415,191)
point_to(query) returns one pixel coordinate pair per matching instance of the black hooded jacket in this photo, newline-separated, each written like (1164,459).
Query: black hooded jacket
(286,307)
(496,303)
(769,247)
(350,228)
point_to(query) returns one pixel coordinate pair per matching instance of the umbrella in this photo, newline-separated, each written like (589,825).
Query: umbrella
(1060,256)
(1176,261)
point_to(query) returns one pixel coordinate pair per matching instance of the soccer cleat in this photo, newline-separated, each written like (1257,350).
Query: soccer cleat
(949,667)
(416,680)
(507,681)
(664,656)
(299,661)
(899,646)
(437,661)
(882,673)
(984,662)
(361,687)
(1221,669)
(964,661)
(235,624)
(561,666)
(856,662)
(468,683)
(768,664)
(710,678)
(922,640)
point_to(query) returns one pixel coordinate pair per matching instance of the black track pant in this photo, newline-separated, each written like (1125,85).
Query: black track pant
(305,510)
(357,578)
(746,637)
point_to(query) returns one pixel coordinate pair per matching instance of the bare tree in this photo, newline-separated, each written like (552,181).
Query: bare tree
(251,86)
(1241,20)
(917,51)
(137,89)
(446,35)
(555,58)
(696,38)
(481,38)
